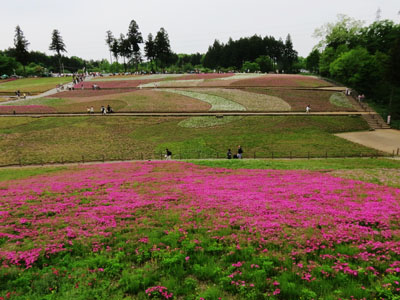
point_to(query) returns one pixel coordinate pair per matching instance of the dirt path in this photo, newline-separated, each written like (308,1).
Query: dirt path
(387,140)
(189,114)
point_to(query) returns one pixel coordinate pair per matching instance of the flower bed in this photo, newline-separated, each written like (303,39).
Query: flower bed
(277,80)
(20,109)
(217,103)
(206,76)
(113,84)
(78,93)
(178,230)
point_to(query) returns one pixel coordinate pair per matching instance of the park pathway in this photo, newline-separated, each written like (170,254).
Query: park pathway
(387,140)
(190,114)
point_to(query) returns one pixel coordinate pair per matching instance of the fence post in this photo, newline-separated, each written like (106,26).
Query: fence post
(198,154)
(20,162)
(160,155)
(180,155)
(83,159)
(62,160)
(326,154)
(272,154)
(398,150)
(290,155)
(217,154)
(254,155)
(141,155)
(103,158)
(308,155)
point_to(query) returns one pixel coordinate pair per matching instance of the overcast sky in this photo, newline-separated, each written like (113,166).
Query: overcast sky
(192,25)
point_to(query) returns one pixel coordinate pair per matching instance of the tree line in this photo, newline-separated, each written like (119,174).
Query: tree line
(254,54)
(365,58)
(250,54)
(20,61)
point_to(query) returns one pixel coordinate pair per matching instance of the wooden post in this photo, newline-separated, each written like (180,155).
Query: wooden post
(20,162)
(308,155)
(103,158)
(326,154)
(290,155)
(83,159)
(254,155)
(272,154)
(160,155)
(62,159)
(398,150)
(141,155)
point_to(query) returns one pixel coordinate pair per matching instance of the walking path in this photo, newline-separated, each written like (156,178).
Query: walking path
(190,114)
(387,140)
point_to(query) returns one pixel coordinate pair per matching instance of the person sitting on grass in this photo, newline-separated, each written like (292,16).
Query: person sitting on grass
(229,154)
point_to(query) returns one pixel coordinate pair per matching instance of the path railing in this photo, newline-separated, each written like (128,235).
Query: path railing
(143,156)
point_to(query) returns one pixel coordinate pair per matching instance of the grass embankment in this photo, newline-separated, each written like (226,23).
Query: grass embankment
(32,85)
(36,140)
(13,174)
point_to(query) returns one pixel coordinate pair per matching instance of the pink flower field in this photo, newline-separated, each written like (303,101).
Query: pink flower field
(171,230)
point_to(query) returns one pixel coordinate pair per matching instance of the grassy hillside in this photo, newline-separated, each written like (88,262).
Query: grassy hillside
(32,85)
(54,139)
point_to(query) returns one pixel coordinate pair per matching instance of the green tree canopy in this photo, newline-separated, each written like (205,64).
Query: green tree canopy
(162,48)
(110,41)
(57,44)
(312,61)
(21,46)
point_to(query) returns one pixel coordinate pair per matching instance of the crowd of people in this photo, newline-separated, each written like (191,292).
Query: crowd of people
(103,110)
(78,78)
(19,95)
(238,155)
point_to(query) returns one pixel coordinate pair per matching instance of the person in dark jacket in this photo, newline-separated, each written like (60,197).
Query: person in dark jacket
(229,154)
(168,155)
(240,152)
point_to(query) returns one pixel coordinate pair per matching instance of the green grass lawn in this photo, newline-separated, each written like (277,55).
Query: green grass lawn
(303,164)
(37,140)
(33,85)
(15,173)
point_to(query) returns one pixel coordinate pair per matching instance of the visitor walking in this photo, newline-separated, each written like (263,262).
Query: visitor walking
(240,152)
(308,108)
